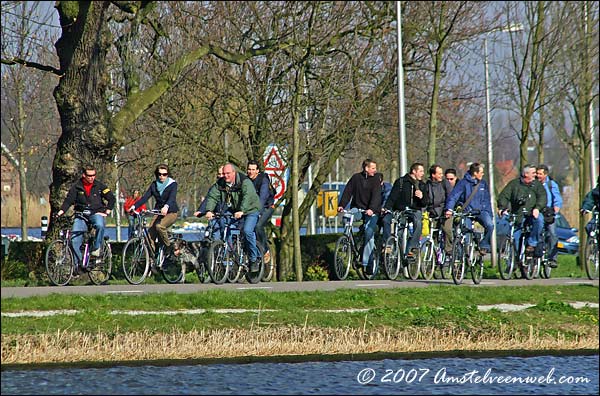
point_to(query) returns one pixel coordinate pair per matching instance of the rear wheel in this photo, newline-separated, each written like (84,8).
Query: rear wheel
(269,263)
(458,262)
(217,258)
(428,259)
(342,258)
(256,276)
(529,267)
(59,263)
(591,257)
(506,260)
(413,265)
(202,269)
(476,267)
(136,261)
(100,269)
(391,259)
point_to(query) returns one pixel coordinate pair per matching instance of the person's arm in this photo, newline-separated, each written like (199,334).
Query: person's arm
(171,200)
(504,198)
(347,195)
(558,201)
(394,194)
(541,198)
(109,197)
(69,200)
(144,198)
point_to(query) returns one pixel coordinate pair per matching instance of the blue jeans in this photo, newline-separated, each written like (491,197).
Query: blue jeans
(370,225)
(552,240)
(261,236)
(416,218)
(248,224)
(130,228)
(80,227)
(537,225)
(485,219)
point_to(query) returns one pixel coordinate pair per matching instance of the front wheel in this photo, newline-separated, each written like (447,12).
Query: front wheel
(428,259)
(506,260)
(59,263)
(458,262)
(256,276)
(217,262)
(530,266)
(269,271)
(477,268)
(391,259)
(136,261)
(342,257)
(413,266)
(101,269)
(591,257)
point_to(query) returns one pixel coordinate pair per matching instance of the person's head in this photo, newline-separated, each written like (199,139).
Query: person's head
(451,176)
(369,167)
(229,173)
(417,170)
(436,173)
(541,172)
(136,193)
(220,172)
(161,172)
(89,173)
(476,170)
(252,169)
(528,173)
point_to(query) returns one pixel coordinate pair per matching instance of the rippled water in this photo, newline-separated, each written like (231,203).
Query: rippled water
(423,376)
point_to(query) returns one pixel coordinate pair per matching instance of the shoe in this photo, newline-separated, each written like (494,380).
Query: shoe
(387,250)
(552,264)
(530,250)
(254,267)
(368,269)
(96,253)
(267,257)
(412,253)
(483,251)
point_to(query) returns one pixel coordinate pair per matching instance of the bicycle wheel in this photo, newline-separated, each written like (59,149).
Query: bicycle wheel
(256,276)
(414,266)
(506,259)
(342,258)
(458,262)
(391,259)
(59,263)
(202,269)
(529,267)
(172,269)
(218,255)
(100,269)
(545,269)
(591,257)
(428,259)
(136,261)
(476,264)
(269,271)
(235,270)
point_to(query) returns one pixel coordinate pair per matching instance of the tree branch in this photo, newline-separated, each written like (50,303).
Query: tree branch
(34,65)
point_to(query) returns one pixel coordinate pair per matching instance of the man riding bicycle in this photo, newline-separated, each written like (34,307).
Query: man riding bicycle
(91,194)
(236,193)
(525,192)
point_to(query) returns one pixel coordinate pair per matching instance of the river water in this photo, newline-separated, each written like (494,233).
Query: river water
(505,375)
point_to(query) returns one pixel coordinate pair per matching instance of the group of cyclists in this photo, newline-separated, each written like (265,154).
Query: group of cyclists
(534,196)
(249,199)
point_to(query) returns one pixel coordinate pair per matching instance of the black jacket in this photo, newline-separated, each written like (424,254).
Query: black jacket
(100,199)
(403,194)
(436,194)
(364,191)
(168,197)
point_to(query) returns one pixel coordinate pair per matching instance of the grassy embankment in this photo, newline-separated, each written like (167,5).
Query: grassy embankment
(437,318)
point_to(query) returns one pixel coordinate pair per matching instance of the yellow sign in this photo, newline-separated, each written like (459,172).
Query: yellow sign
(330,203)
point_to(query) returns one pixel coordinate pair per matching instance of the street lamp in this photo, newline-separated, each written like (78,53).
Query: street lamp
(490,149)
(118,196)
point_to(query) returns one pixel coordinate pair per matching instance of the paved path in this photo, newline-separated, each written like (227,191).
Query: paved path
(277,286)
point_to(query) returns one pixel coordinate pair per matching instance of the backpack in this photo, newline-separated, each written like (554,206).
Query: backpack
(272,190)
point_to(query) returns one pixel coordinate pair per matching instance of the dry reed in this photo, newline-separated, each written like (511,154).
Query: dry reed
(66,346)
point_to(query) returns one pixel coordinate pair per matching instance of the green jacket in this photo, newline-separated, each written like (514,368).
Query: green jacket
(241,196)
(517,195)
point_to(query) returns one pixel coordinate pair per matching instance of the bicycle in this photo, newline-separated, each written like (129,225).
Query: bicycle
(514,253)
(140,257)
(349,249)
(465,248)
(591,248)
(60,257)
(542,268)
(393,260)
(433,254)
(228,258)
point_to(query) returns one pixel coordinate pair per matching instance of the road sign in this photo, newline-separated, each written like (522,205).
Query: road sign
(330,204)
(275,166)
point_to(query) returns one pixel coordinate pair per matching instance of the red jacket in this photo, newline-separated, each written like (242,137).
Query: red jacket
(130,201)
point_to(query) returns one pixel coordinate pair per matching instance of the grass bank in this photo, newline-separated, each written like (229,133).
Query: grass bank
(442,318)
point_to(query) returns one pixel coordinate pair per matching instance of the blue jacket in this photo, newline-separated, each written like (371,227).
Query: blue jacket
(462,191)
(552,190)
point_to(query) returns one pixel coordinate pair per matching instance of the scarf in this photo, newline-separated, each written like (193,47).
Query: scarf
(87,187)
(161,186)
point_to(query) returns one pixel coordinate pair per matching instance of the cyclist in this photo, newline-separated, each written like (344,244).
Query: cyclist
(201,211)
(363,191)
(473,194)
(408,191)
(237,194)
(554,203)
(591,199)
(450,180)
(437,193)
(89,193)
(262,184)
(525,192)
(127,206)
(164,192)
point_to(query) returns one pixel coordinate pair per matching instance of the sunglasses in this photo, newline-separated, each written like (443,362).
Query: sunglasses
(163,174)
(86,175)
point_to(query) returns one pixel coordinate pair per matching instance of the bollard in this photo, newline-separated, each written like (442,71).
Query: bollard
(44,226)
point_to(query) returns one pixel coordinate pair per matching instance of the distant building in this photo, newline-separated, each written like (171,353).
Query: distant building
(10,179)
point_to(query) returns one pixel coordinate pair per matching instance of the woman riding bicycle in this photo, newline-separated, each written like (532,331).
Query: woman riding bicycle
(164,192)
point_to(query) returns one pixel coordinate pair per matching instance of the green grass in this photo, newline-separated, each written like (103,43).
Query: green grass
(395,308)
